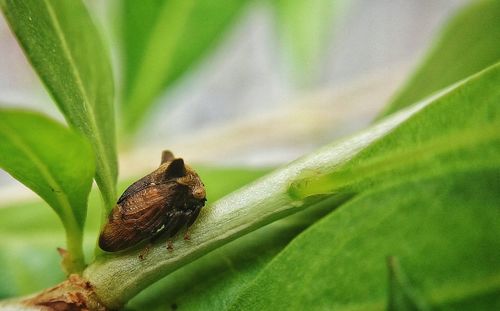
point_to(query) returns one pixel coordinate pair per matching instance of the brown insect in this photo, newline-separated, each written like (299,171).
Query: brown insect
(159,204)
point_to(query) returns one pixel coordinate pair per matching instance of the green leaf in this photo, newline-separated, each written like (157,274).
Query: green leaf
(442,135)
(162,40)
(30,249)
(469,43)
(462,121)
(402,295)
(305,28)
(420,192)
(54,162)
(457,129)
(65,49)
(444,230)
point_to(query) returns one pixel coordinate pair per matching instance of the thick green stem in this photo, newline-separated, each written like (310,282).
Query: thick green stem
(74,260)
(118,277)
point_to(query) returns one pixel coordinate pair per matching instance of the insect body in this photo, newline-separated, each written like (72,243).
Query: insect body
(158,204)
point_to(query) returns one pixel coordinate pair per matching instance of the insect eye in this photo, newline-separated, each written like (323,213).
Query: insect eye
(199,193)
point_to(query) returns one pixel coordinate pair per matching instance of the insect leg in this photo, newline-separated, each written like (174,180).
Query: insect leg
(145,251)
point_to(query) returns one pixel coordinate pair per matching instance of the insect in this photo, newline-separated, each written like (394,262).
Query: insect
(159,204)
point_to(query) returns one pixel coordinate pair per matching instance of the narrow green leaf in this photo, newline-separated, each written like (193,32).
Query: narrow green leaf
(444,230)
(468,43)
(64,47)
(162,40)
(305,28)
(54,162)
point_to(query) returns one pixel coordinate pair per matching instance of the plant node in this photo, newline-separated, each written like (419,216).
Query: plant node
(75,293)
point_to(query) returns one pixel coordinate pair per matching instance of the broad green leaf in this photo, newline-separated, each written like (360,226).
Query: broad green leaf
(443,135)
(304,29)
(21,254)
(459,129)
(65,49)
(468,43)
(426,192)
(163,39)
(54,162)
(119,277)
(443,229)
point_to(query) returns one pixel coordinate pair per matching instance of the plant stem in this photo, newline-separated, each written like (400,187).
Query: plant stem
(16,305)
(74,260)
(118,277)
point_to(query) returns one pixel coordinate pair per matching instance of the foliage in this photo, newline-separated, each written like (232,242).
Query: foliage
(466,45)
(403,215)
(304,28)
(417,198)
(416,210)
(153,61)
(430,224)
(17,261)
(54,162)
(63,45)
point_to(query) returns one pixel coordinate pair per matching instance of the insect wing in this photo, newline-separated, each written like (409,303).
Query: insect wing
(137,218)
(136,187)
